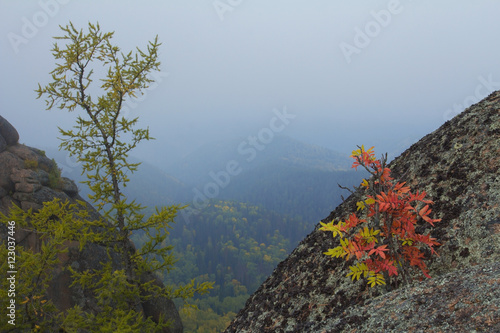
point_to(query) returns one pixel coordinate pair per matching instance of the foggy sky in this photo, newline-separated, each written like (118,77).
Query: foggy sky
(381,73)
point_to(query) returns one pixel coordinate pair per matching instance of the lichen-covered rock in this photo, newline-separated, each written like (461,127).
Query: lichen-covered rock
(458,166)
(460,301)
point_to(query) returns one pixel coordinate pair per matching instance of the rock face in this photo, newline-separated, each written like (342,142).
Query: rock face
(458,166)
(28,179)
(8,134)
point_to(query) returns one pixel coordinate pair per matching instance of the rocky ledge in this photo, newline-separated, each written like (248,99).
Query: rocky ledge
(28,179)
(458,166)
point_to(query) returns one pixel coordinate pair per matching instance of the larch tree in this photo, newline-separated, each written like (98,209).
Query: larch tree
(101,140)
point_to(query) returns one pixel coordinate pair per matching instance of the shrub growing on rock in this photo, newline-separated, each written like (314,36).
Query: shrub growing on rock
(54,175)
(31,164)
(381,238)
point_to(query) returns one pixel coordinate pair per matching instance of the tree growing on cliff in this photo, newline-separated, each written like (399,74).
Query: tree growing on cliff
(102,139)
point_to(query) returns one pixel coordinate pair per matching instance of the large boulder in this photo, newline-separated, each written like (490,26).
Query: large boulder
(458,166)
(8,134)
(28,178)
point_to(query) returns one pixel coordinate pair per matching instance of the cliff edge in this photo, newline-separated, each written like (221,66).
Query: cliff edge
(28,178)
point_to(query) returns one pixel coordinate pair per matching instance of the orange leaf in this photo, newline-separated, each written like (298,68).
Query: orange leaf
(379,250)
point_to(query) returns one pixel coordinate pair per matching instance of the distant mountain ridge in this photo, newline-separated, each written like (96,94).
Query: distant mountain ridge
(283,150)
(149,184)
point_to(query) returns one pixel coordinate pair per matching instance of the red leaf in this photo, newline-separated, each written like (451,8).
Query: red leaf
(379,250)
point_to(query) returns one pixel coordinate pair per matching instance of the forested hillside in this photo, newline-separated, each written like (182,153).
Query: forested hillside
(296,191)
(237,245)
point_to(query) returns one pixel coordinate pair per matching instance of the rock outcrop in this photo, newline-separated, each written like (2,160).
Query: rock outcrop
(28,179)
(8,134)
(458,166)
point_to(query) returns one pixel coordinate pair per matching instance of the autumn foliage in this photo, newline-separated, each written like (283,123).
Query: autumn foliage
(381,236)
